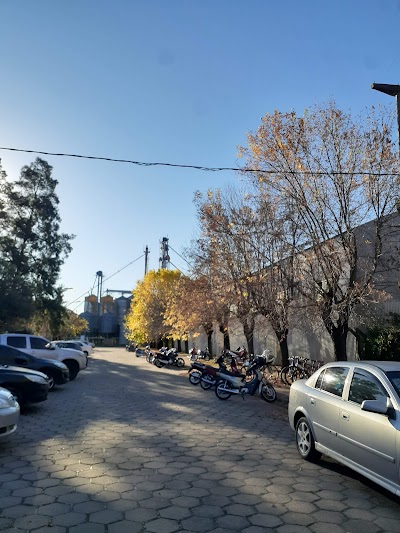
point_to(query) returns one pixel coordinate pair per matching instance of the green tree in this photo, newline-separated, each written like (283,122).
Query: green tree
(32,248)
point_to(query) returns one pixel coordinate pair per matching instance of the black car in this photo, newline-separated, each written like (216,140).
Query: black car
(28,386)
(56,372)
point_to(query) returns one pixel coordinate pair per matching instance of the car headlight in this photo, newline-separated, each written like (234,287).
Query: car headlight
(10,401)
(37,379)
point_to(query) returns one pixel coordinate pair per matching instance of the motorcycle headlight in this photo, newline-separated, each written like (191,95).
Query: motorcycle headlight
(37,379)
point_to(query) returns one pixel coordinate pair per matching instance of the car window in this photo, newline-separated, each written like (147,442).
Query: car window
(332,380)
(38,344)
(394,377)
(17,342)
(6,351)
(365,386)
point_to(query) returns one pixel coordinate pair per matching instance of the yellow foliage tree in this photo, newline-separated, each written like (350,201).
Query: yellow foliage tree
(146,319)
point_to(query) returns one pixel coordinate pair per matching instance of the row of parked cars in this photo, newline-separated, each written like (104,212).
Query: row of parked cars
(31,366)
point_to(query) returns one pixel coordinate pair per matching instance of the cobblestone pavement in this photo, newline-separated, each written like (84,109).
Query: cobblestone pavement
(130,448)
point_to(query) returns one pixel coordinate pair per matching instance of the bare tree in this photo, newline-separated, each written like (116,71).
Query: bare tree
(337,173)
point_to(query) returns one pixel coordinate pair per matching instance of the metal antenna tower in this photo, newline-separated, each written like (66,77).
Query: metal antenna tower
(164,256)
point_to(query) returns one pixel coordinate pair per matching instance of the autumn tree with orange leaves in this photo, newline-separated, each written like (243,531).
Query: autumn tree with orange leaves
(336,173)
(252,240)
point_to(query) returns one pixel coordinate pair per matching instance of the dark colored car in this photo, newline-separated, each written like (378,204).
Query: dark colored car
(28,386)
(56,371)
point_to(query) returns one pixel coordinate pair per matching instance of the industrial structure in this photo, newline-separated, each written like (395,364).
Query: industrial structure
(105,314)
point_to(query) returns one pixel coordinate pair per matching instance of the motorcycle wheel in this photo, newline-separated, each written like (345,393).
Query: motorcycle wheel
(157,363)
(207,384)
(268,393)
(221,394)
(195,378)
(180,362)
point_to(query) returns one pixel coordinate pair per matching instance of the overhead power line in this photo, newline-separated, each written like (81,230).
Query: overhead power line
(200,167)
(105,279)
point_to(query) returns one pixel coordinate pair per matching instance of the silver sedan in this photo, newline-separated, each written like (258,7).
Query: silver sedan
(9,413)
(350,411)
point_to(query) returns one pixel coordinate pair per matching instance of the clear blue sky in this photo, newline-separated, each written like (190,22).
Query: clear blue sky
(179,81)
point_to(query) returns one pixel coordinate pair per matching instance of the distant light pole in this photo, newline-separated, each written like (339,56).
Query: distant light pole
(391,90)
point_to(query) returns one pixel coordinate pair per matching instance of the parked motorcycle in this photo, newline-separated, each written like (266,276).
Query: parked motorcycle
(253,382)
(208,375)
(169,357)
(194,354)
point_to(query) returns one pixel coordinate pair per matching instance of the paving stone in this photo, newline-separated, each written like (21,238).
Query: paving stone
(69,519)
(105,517)
(53,509)
(32,521)
(51,529)
(17,511)
(355,526)
(265,520)
(88,528)
(141,515)
(233,523)
(388,524)
(175,513)
(88,507)
(162,525)
(124,526)
(197,523)
(325,527)
(40,499)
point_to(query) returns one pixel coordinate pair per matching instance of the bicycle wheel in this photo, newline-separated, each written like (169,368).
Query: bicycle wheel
(283,374)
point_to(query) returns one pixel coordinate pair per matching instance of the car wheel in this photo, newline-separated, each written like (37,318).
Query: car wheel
(305,441)
(73,368)
(52,383)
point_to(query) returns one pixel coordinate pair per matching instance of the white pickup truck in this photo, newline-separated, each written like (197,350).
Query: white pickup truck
(40,347)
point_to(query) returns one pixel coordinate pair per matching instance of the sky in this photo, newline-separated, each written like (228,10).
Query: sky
(176,81)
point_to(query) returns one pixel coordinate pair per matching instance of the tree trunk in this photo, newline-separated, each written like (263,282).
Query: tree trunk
(339,338)
(225,332)
(209,341)
(248,329)
(283,345)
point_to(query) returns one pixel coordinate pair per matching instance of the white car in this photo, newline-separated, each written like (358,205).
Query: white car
(84,346)
(9,413)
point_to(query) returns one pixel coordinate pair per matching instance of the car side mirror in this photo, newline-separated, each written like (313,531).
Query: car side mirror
(50,347)
(376,406)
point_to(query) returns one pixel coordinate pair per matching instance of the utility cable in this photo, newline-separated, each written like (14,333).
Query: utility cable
(106,279)
(200,167)
(170,247)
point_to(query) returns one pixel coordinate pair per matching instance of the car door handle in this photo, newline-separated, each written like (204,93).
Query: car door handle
(312,401)
(345,416)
